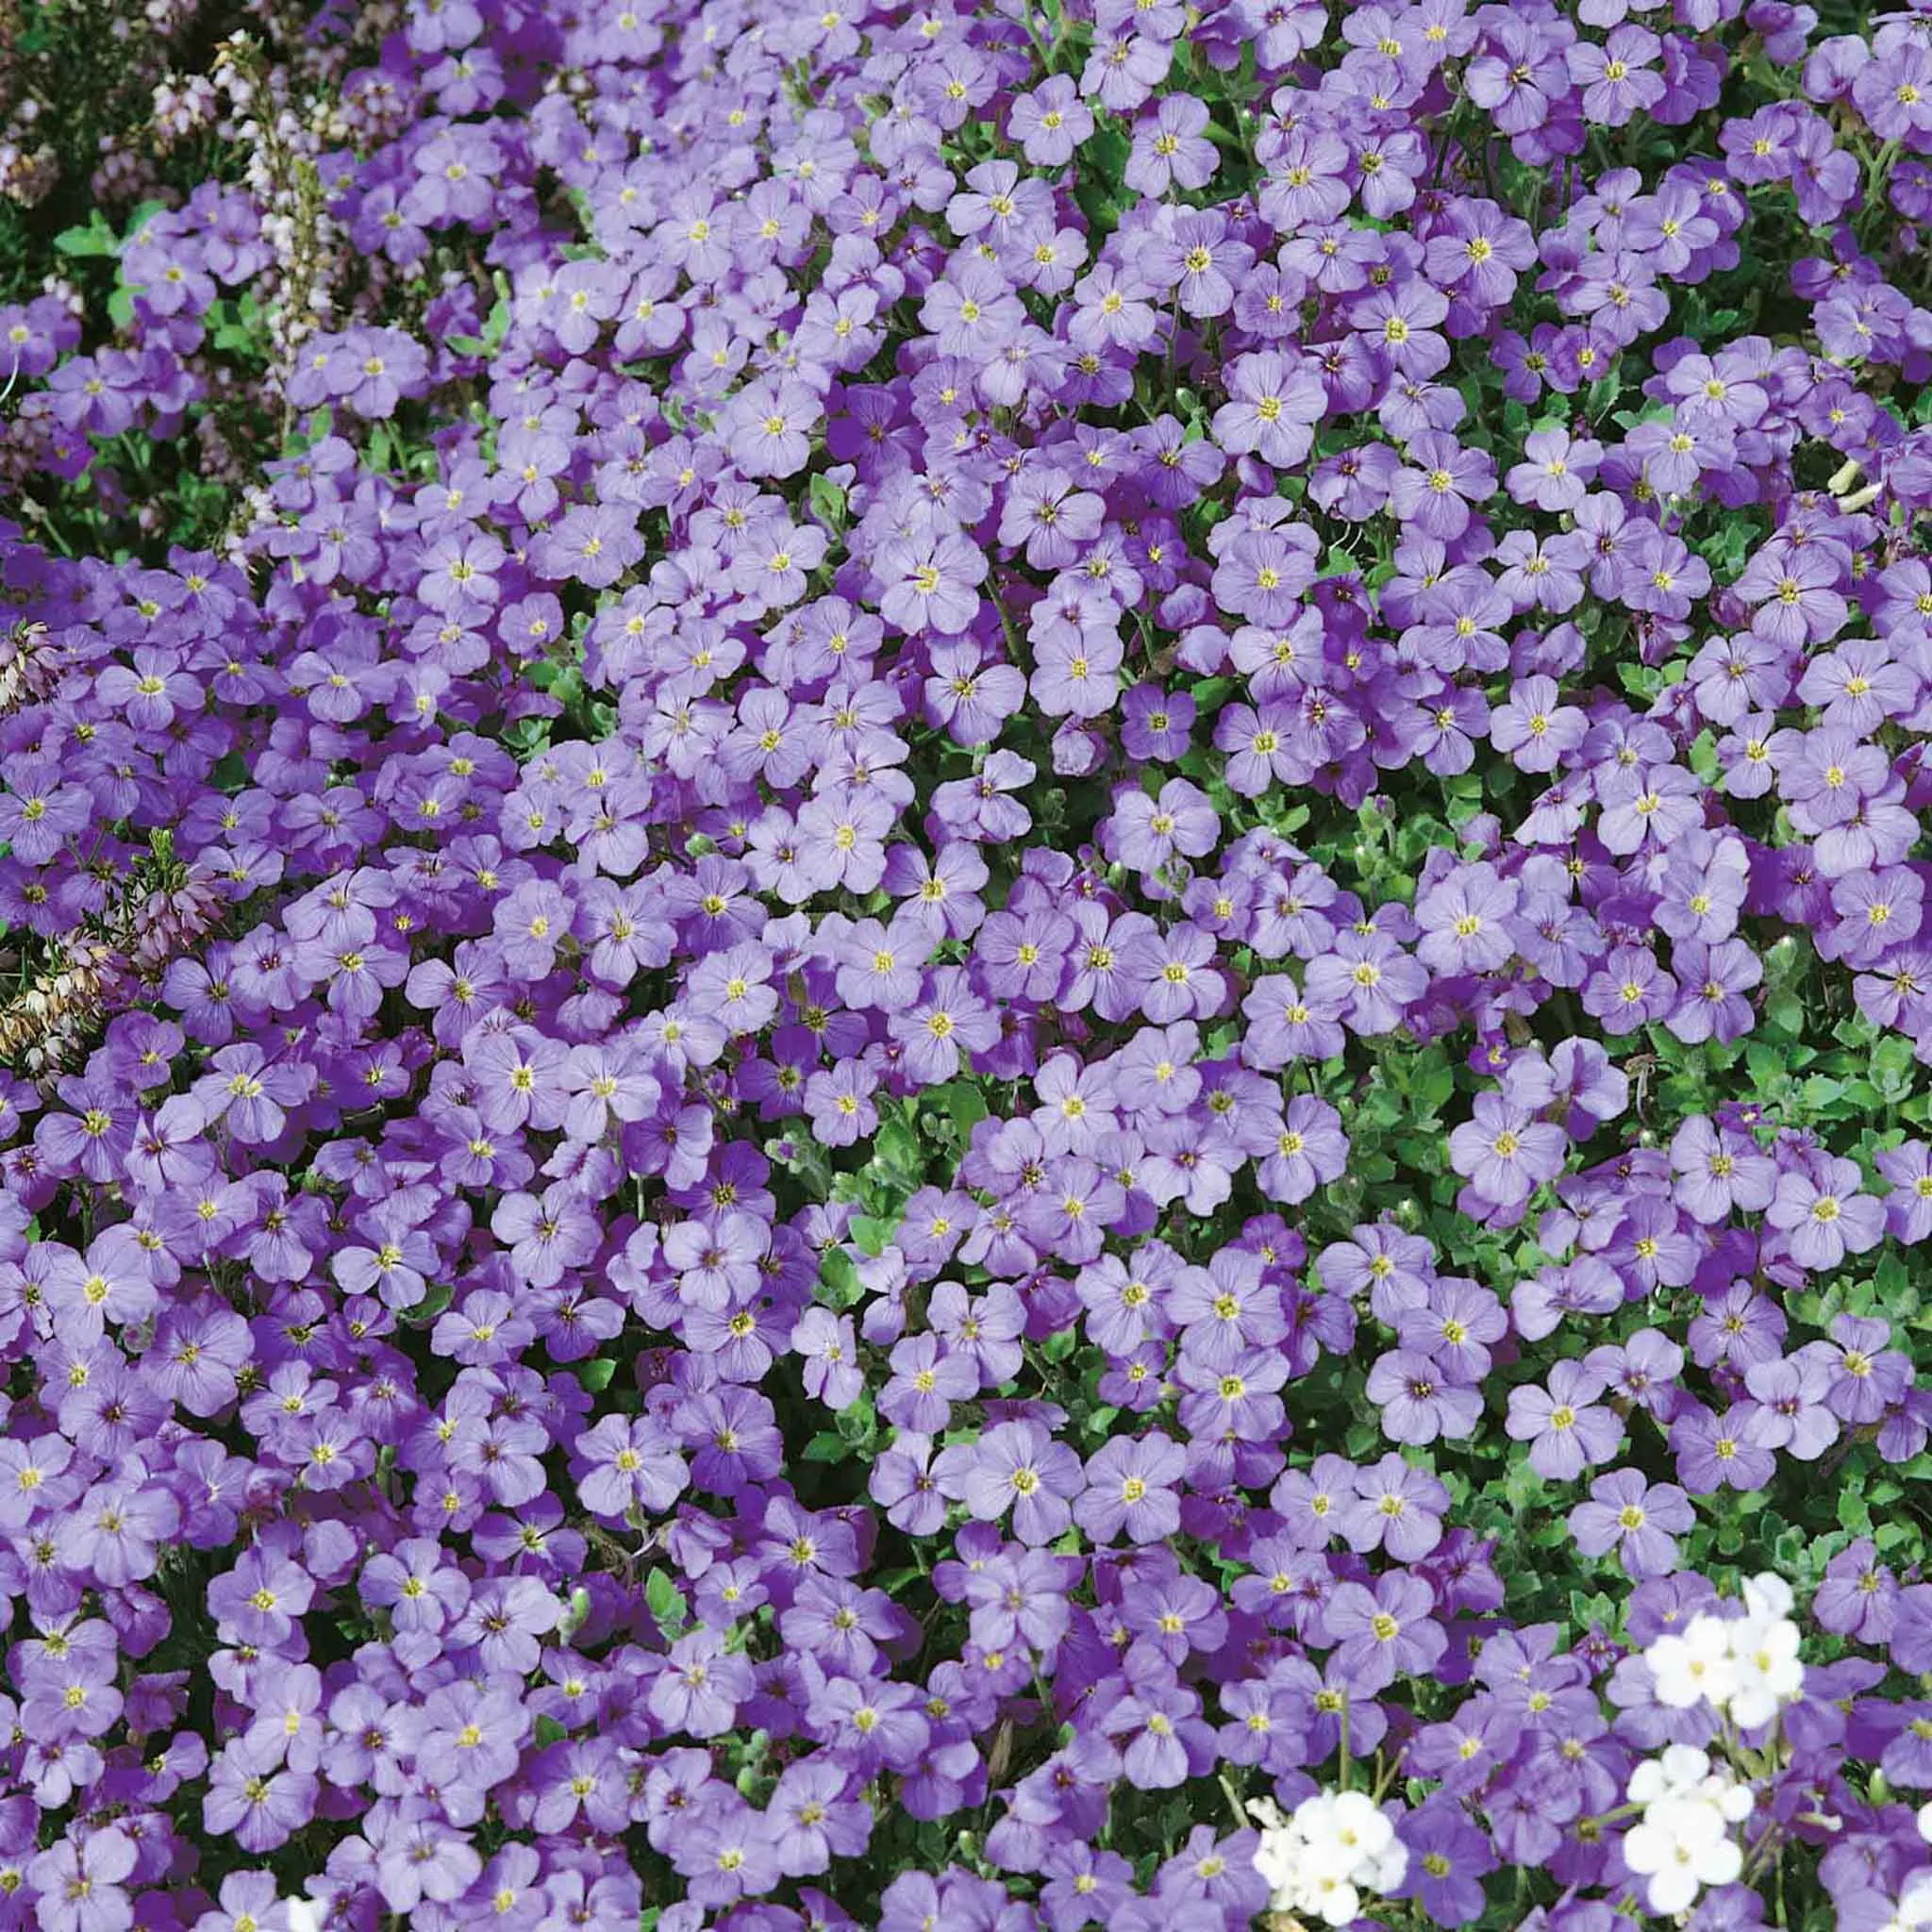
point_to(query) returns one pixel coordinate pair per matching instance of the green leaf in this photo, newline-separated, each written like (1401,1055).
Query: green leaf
(858,1424)
(838,1284)
(595,1376)
(1522,1487)
(97,237)
(1820,1092)
(1892,1067)
(872,1234)
(662,1595)
(897,1146)
(232,334)
(963,1102)
(1434,1086)
(827,503)
(1103,158)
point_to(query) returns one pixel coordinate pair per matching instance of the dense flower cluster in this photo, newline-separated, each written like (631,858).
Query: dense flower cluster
(1028,941)
(1336,1846)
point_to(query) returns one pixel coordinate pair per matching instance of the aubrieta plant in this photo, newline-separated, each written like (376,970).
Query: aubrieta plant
(967,970)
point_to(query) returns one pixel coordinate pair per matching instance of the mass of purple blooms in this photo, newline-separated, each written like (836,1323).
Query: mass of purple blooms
(1022,952)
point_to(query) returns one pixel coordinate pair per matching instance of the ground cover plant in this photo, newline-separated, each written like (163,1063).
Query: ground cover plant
(965,966)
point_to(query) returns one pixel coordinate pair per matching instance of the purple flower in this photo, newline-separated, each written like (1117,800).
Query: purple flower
(1171,147)
(1159,1735)
(1448,1859)
(1629,990)
(1309,1150)
(1616,78)
(869,1724)
(1863,1377)
(1464,921)
(927,1379)
(1636,1519)
(1418,1400)
(1719,1169)
(1015,1466)
(1050,123)
(1130,1488)
(830,1349)
(1534,728)
(1858,1597)
(1555,472)
(1369,979)
(628,1463)
(1504,1152)
(1792,1396)
(1565,1427)
(818,1816)
(931,583)
(701,1686)
(1721,1452)
(1396,1507)
(1435,491)
(1275,401)
(78,1882)
(1198,258)
(1386,1632)
(1823,1215)
(260,1805)
(1021,1599)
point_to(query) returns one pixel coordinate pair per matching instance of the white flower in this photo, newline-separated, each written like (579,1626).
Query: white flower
(1683,1841)
(1747,1666)
(1679,1769)
(1733,1802)
(1682,1844)
(1650,1853)
(1334,1899)
(1275,1857)
(1768,1596)
(1694,1666)
(1336,1846)
(1359,1824)
(1925,1822)
(1767,1672)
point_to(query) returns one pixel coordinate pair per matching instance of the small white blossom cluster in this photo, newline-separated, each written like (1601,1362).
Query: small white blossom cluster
(1319,1864)
(1683,1841)
(1747,1666)
(285,145)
